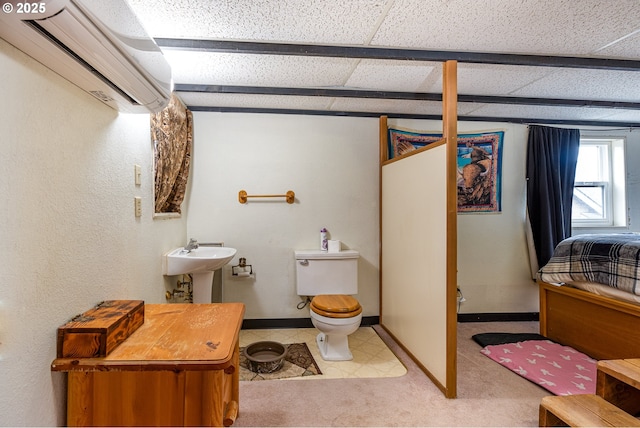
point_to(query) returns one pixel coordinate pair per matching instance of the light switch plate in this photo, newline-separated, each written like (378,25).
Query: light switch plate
(138,174)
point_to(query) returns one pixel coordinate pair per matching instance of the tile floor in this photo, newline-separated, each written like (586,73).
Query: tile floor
(371,357)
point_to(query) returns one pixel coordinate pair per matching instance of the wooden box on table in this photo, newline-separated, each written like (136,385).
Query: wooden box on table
(98,331)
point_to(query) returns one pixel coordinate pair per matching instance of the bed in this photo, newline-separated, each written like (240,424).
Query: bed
(590,295)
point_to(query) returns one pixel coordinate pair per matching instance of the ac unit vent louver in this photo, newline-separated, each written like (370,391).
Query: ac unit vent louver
(101,96)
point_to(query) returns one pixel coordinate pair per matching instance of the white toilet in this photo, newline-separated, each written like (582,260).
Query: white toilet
(331,278)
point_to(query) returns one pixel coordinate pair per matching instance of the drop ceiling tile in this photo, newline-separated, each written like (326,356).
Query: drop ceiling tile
(469,109)
(573,83)
(312,21)
(385,106)
(561,27)
(255,101)
(466,108)
(541,112)
(492,79)
(383,75)
(629,47)
(624,116)
(257,70)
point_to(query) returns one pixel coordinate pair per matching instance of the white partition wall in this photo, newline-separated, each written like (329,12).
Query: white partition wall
(418,280)
(414,236)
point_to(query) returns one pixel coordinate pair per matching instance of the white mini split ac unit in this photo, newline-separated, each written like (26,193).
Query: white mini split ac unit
(99,45)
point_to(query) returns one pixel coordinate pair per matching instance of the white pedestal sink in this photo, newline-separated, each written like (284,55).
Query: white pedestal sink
(202,286)
(200,263)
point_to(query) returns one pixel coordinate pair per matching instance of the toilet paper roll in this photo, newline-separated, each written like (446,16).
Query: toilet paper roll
(244,274)
(334,246)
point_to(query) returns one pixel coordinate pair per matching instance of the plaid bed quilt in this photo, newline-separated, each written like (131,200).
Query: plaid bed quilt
(612,260)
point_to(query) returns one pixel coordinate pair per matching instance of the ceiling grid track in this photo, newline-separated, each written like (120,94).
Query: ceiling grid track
(368,52)
(518,120)
(382,53)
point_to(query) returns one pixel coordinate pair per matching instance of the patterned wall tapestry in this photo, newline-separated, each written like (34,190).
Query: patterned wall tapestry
(172,136)
(479,165)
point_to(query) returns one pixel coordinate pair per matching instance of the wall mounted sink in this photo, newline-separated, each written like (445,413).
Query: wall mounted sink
(201,259)
(200,264)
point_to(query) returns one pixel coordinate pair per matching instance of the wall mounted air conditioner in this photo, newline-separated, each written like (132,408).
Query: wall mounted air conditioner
(99,45)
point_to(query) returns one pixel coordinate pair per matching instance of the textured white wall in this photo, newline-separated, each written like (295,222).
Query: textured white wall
(69,238)
(271,153)
(331,163)
(493,260)
(493,263)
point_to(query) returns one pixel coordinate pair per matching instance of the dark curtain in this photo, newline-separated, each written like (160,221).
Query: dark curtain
(552,155)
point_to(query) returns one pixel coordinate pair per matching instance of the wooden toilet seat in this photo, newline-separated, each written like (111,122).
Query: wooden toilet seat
(336,306)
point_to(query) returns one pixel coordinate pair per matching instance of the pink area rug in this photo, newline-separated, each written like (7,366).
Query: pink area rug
(559,369)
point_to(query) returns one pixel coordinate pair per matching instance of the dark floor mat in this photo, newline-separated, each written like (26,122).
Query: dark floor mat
(484,339)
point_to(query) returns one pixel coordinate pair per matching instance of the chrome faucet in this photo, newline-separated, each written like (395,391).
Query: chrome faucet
(192,245)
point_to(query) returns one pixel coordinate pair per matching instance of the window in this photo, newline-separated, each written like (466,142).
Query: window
(599,190)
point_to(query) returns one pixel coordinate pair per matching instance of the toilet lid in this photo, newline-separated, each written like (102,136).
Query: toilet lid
(336,306)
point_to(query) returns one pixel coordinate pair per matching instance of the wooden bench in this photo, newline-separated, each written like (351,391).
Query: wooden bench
(583,411)
(619,383)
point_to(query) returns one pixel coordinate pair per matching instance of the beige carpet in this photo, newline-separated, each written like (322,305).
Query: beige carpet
(372,358)
(488,394)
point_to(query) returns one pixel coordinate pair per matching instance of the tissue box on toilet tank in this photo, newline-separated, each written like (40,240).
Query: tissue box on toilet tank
(100,330)
(334,246)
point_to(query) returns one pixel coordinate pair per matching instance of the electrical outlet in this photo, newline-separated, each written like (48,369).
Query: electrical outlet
(137,203)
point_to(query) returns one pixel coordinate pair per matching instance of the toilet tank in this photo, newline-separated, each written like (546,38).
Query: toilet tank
(321,272)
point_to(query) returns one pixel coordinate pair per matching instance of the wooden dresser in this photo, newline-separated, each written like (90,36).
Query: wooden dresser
(180,368)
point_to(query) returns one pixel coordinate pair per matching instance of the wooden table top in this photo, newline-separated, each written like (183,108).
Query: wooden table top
(174,336)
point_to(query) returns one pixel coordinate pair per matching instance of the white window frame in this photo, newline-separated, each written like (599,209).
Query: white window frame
(614,187)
